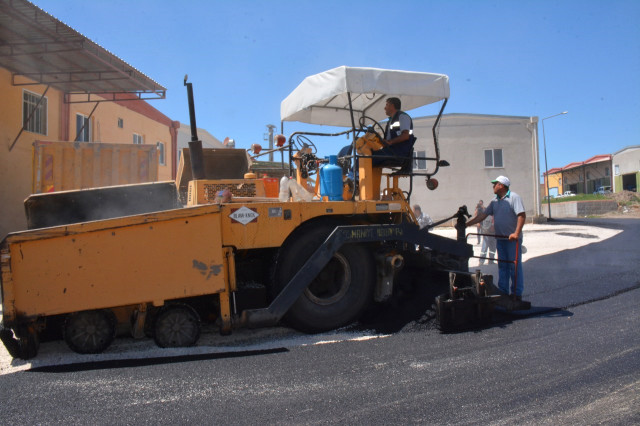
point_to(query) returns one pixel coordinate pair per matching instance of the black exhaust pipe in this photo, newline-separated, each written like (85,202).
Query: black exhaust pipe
(195,146)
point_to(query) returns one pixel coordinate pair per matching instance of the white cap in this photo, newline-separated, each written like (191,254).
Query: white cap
(503,180)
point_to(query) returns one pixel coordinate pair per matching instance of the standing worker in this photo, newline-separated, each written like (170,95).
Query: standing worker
(488,241)
(479,209)
(509,216)
(422,218)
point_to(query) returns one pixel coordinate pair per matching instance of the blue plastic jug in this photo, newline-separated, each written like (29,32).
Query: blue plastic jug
(331,180)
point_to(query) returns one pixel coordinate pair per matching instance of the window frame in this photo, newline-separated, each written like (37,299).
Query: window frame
(88,129)
(138,137)
(493,158)
(162,153)
(43,122)
(417,163)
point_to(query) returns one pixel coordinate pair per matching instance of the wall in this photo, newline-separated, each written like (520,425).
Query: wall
(143,120)
(594,174)
(555,184)
(184,137)
(580,208)
(628,163)
(462,140)
(15,165)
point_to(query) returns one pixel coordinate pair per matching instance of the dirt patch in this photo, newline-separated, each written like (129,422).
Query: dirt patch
(625,197)
(628,205)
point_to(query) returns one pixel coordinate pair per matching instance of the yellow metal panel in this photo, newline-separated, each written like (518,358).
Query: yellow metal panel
(63,166)
(142,262)
(269,226)
(369,180)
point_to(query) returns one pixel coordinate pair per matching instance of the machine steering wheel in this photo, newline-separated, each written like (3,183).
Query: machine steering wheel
(374,127)
(300,141)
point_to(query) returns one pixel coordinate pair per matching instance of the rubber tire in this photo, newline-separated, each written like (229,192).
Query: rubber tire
(24,347)
(176,326)
(102,331)
(29,345)
(313,314)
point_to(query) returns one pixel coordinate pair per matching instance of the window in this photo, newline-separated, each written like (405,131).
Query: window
(617,169)
(420,164)
(34,106)
(493,158)
(137,139)
(606,171)
(120,123)
(83,128)
(161,159)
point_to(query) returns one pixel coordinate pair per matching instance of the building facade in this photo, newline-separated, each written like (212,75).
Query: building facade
(626,169)
(554,180)
(184,137)
(586,177)
(478,148)
(57,85)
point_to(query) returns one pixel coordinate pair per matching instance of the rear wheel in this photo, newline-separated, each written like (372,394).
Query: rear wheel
(90,332)
(176,326)
(339,293)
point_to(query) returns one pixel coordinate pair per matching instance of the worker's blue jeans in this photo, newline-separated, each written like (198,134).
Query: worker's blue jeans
(507,271)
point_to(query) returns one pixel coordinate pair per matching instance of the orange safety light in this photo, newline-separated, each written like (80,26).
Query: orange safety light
(280,140)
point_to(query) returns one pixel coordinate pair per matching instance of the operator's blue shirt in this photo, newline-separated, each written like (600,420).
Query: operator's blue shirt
(505,213)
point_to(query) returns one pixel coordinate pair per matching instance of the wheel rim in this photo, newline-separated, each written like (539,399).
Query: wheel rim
(332,283)
(89,332)
(177,327)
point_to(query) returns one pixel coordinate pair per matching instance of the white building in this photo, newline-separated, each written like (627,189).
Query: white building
(478,148)
(184,137)
(626,169)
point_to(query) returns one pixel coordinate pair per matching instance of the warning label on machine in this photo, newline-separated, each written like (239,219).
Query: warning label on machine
(244,215)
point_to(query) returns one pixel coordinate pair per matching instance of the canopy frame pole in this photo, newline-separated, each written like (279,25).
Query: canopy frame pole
(353,145)
(435,136)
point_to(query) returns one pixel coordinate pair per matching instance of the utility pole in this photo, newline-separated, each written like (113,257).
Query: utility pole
(544,140)
(270,138)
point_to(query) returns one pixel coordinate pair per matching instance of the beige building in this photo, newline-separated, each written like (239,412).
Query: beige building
(479,148)
(626,169)
(585,177)
(184,137)
(57,85)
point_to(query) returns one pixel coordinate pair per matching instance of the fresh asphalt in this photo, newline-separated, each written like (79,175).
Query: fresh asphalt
(576,361)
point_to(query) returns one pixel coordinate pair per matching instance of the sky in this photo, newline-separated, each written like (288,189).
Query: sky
(503,57)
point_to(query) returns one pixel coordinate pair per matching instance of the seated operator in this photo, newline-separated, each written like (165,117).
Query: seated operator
(398,135)
(398,139)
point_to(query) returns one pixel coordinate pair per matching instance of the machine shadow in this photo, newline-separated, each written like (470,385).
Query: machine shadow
(143,362)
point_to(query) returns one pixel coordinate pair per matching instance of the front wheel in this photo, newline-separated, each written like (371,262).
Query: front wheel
(341,291)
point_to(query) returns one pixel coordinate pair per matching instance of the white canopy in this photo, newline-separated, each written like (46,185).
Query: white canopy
(323,99)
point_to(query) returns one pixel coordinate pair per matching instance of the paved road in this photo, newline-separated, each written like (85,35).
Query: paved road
(578,362)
